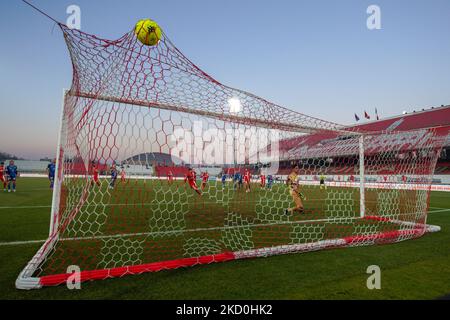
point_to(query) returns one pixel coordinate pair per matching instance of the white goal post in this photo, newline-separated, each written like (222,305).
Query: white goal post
(132,108)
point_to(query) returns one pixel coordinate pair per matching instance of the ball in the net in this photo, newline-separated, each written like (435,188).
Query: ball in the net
(148,32)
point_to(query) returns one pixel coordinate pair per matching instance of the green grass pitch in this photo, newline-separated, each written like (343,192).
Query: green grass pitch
(416,269)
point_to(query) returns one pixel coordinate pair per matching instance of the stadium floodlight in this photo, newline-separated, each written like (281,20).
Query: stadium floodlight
(131,95)
(235,105)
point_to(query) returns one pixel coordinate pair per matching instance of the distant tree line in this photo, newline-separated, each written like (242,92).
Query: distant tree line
(6,156)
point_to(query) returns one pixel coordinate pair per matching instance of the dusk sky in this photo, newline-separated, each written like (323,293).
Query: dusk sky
(316,57)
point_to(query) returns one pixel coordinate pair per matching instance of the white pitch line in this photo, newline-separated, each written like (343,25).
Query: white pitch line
(436,211)
(26,190)
(181,231)
(149,203)
(335,220)
(439,208)
(25,207)
(18,243)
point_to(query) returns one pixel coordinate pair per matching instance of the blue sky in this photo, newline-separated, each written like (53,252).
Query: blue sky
(316,57)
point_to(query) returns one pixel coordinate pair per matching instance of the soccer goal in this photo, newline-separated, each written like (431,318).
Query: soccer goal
(161,166)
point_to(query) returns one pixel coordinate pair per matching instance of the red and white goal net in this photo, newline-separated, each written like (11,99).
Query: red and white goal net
(137,119)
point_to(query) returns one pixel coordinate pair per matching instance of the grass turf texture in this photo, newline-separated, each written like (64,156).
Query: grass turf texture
(411,269)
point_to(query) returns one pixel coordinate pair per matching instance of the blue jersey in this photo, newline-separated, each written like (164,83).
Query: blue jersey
(11,171)
(51,169)
(113,174)
(224,177)
(237,176)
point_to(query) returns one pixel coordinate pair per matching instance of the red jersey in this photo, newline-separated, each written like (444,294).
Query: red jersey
(205,177)
(263,178)
(170,175)
(2,171)
(190,176)
(95,172)
(247,176)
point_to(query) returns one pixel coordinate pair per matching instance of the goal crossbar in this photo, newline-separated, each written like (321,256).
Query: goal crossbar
(269,124)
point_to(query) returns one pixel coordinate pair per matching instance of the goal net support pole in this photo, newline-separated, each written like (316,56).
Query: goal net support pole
(58,170)
(26,280)
(362,197)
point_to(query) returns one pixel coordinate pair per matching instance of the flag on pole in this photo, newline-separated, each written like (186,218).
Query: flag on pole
(366,115)
(376,113)
(356,117)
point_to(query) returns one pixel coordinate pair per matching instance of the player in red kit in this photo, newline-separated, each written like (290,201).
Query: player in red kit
(263,180)
(247,180)
(190,178)
(170,177)
(95,175)
(123,178)
(205,177)
(2,175)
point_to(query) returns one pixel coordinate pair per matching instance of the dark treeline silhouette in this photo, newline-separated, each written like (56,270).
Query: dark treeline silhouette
(6,156)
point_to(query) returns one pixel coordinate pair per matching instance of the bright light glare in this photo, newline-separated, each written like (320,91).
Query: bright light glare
(235,105)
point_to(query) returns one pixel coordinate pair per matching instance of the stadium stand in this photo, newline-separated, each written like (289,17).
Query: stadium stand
(434,117)
(315,143)
(30,166)
(160,164)
(163,171)
(442,168)
(78,167)
(154,159)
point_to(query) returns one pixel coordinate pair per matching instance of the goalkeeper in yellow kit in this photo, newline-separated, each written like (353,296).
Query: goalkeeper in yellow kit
(294,191)
(322,182)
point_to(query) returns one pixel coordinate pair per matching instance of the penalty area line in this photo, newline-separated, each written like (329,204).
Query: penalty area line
(336,220)
(25,207)
(18,243)
(439,208)
(437,211)
(135,204)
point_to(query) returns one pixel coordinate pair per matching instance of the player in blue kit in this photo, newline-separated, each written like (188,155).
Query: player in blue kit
(114,175)
(241,180)
(224,180)
(269,181)
(236,179)
(11,171)
(51,169)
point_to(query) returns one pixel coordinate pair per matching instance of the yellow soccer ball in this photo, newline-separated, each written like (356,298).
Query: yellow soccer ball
(148,32)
